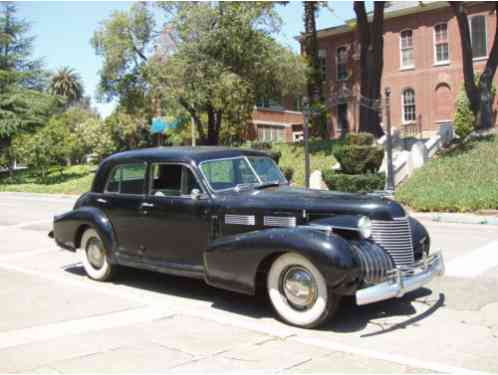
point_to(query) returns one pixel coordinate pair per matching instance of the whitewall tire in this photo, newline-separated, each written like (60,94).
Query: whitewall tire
(94,256)
(298,291)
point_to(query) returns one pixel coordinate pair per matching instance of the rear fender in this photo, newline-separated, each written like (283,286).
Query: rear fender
(233,262)
(69,227)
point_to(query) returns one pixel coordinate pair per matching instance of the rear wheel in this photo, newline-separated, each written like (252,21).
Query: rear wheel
(299,293)
(94,256)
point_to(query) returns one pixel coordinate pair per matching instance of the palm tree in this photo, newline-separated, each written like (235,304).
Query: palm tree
(67,83)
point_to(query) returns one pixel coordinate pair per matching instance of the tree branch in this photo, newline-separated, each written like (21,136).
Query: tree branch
(193,113)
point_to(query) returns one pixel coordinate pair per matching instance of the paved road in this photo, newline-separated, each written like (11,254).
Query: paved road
(55,320)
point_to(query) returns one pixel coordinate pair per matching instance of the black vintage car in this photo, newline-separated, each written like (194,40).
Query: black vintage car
(229,216)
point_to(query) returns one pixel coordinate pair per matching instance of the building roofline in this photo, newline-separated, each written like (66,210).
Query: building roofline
(346,28)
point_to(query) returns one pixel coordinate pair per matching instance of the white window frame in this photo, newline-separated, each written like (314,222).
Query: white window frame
(273,130)
(403,121)
(401,66)
(337,64)
(485,35)
(443,62)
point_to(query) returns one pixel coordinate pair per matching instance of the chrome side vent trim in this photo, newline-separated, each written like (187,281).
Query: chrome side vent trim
(240,219)
(279,221)
(396,238)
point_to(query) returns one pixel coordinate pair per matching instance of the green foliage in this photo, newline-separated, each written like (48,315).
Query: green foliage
(462,180)
(359,159)
(213,59)
(360,139)
(23,104)
(67,84)
(353,183)
(95,138)
(288,173)
(464,120)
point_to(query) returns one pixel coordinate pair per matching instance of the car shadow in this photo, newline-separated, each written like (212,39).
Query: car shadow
(349,318)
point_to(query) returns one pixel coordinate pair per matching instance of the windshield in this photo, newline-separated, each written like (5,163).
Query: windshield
(224,174)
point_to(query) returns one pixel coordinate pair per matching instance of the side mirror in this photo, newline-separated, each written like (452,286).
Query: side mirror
(196,194)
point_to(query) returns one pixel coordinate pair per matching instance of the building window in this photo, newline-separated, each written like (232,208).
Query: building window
(441,48)
(268,133)
(409,112)
(268,103)
(478,37)
(342,63)
(406,45)
(322,61)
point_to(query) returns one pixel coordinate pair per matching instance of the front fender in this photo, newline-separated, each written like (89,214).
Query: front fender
(69,227)
(233,262)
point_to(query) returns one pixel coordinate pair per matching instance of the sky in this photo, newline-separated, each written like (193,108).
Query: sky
(63,31)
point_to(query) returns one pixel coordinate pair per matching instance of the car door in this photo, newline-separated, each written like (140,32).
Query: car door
(177,224)
(122,201)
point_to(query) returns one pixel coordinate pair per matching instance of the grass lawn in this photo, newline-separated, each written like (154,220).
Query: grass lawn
(293,156)
(463,180)
(74,180)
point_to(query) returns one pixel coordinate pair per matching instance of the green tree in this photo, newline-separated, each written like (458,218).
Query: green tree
(23,103)
(211,62)
(67,83)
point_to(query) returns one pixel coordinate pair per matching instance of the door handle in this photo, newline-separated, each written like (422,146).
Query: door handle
(102,200)
(146,205)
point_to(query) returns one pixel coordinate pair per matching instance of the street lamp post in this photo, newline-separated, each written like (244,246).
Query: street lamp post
(193,132)
(389,144)
(306,142)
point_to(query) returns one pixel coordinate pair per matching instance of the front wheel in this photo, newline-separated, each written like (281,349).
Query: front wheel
(94,257)
(299,293)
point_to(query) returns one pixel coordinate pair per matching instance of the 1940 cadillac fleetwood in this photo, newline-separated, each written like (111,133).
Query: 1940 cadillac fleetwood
(229,216)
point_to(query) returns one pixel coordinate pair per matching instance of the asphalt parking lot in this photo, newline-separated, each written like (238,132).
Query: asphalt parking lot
(55,320)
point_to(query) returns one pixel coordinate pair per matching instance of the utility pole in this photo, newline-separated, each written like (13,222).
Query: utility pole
(389,144)
(306,107)
(193,131)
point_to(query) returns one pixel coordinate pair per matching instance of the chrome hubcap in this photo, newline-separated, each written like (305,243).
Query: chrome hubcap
(95,253)
(299,287)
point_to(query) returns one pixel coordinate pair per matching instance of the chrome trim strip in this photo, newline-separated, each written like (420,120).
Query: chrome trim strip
(279,221)
(403,280)
(240,219)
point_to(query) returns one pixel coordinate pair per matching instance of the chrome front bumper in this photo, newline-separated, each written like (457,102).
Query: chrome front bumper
(402,280)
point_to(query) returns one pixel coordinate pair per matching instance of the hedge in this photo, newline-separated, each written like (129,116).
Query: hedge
(354,183)
(359,159)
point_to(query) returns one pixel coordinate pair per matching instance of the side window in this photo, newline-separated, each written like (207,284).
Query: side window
(166,180)
(127,179)
(172,180)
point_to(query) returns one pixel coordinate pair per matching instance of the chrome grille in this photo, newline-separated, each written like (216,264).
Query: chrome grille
(240,219)
(279,221)
(374,262)
(396,238)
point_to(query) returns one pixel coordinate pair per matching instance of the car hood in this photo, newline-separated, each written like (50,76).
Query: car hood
(317,203)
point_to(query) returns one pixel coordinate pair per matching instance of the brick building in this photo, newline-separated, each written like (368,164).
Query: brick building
(422,67)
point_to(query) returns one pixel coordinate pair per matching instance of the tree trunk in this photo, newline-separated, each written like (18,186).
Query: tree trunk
(315,81)
(371,65)
(213,126)
(479,94)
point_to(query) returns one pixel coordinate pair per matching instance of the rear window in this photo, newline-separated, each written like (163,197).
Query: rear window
(127,179)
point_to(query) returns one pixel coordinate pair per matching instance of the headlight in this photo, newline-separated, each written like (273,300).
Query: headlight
(365,227)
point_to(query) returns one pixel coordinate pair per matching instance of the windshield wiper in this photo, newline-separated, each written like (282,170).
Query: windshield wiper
(268,184)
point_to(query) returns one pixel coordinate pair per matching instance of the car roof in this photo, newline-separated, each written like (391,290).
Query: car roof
(189,155)
(182,153)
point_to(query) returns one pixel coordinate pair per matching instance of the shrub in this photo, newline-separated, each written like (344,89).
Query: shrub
(288,173)
(261,145)
(360,139)
(359,159)
(464,118)
(351,183)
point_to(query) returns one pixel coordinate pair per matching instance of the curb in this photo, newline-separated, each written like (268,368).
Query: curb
(447,217)
(39,195)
